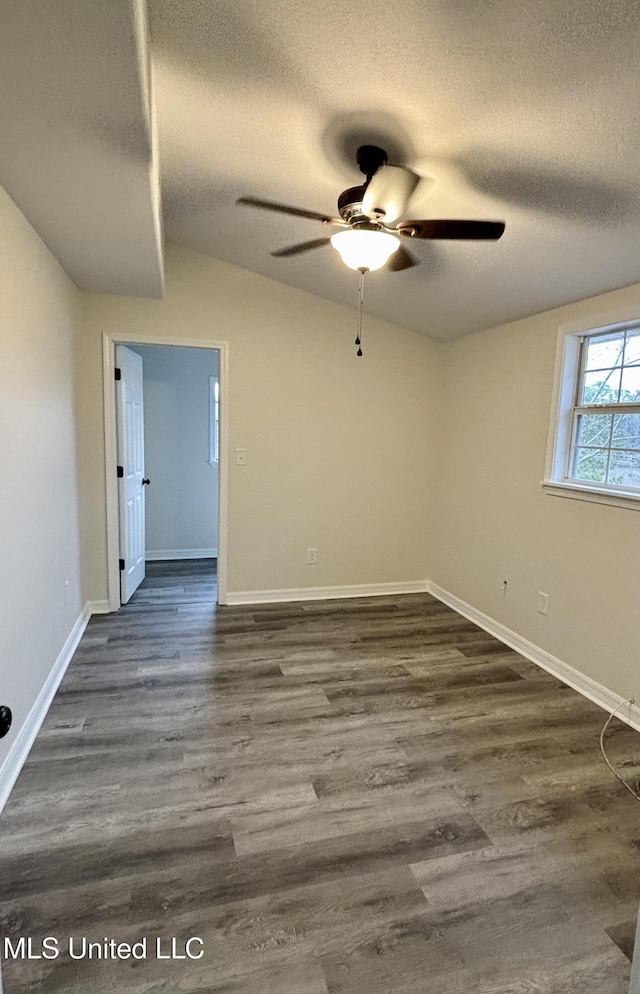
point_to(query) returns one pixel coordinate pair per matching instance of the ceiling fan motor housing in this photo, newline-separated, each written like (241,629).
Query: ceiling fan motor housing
(350,204)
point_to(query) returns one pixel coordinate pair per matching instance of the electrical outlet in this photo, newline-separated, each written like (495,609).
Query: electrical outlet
(241,457)
(543,602)
(312,557)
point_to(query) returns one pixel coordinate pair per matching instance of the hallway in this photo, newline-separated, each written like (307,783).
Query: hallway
(365,796)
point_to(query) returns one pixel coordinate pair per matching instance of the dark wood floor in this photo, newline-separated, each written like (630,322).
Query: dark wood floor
(343,797)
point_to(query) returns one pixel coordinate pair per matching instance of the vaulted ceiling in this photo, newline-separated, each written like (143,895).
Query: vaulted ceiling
(512,110)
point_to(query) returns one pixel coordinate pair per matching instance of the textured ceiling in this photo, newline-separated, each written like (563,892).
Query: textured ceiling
(514,110)
(76,145)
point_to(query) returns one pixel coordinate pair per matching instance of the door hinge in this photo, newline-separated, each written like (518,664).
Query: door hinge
(122,564)
(117,373)
(120,471)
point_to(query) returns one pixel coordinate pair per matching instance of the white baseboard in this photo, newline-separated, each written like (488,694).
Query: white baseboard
(326,593)
(26,736)
(585,685)
(155,555)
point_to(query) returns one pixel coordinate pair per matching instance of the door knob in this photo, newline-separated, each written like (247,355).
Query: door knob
(146,482)
(5,720)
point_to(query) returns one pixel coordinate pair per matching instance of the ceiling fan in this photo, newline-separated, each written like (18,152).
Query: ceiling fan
(369,239)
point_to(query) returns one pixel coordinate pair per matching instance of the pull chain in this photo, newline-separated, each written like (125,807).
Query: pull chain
(358,341)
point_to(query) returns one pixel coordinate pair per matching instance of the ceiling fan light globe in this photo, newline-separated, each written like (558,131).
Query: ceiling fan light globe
(365,249)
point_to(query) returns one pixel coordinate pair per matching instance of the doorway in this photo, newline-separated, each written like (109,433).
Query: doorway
(185,522)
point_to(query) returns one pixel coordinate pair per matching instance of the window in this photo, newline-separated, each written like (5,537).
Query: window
(214,420)
(606,430)
(595,439)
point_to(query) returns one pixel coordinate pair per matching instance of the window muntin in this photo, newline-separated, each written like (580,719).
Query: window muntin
(605,438)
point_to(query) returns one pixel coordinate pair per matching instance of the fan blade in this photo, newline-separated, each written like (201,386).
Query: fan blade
(301,247)
(401,259)
(471,230)
(268,205)
(388,193)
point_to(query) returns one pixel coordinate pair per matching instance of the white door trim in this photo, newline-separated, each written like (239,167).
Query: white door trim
(109,342)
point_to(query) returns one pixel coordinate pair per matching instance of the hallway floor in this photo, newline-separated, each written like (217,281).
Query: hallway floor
(365,796)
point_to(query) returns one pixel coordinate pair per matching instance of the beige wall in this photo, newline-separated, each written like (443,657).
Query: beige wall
(340,450)
(496,523)
(38,497)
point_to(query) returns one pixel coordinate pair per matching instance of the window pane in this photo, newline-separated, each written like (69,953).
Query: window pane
(594,429)
(605,352)
(630,384)
(624,469)
(602,387)
(590,464)
(626,431)
(632,349)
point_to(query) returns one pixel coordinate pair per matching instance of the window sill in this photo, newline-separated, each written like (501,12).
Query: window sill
(576,491)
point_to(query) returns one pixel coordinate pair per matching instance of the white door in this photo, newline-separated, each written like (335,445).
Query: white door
(131,482)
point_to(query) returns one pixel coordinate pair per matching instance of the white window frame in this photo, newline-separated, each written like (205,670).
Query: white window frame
(568,374)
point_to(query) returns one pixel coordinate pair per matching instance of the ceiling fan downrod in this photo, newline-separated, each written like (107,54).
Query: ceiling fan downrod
(370,159)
